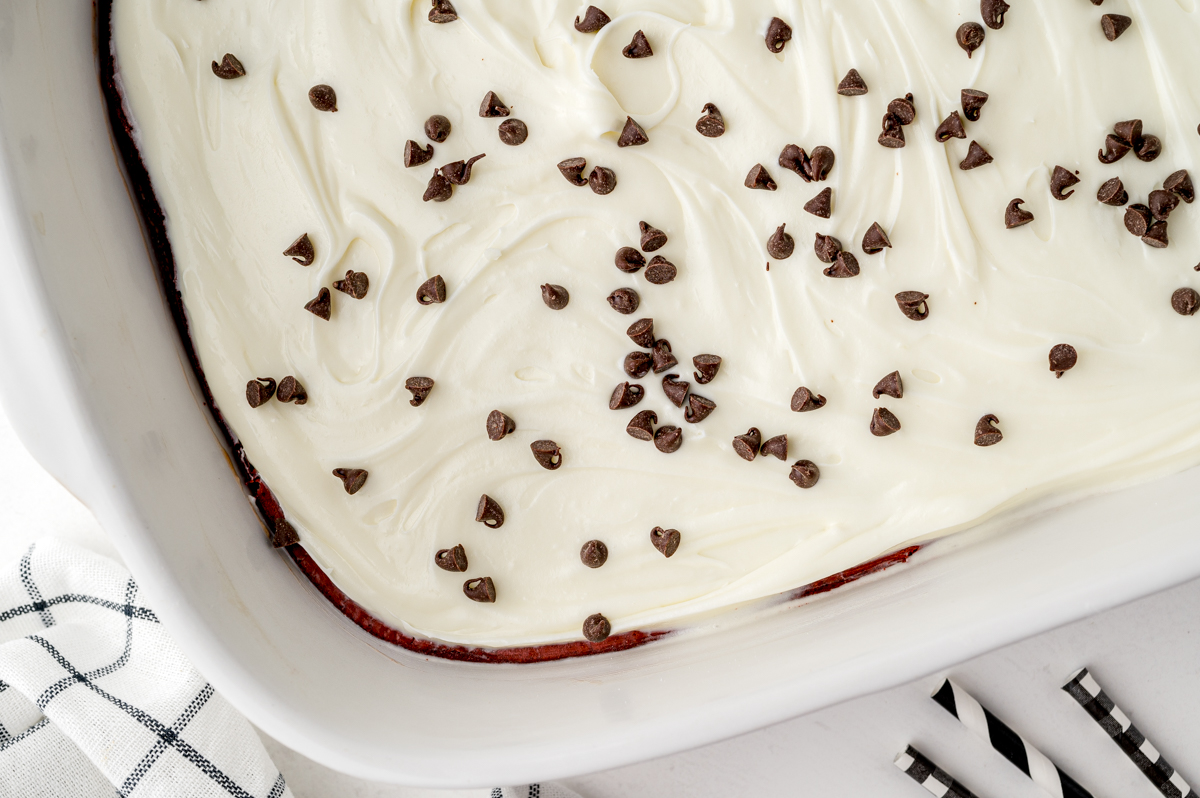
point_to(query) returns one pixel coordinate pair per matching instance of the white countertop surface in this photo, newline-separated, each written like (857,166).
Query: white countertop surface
(1145,654)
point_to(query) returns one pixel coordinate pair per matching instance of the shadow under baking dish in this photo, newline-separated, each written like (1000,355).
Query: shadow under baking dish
(269,508)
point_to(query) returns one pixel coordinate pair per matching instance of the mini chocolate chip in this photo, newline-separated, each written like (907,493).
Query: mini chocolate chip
(951,128)
(660,271)
(970,37)
(665,540)
(323,98)
(454,559)
(779,33)
(884,422)
(875,240)
(1112,192)
(302,251)
(902,110)
(439,189)
(481,590)
(284,534)
(821,205)
(711,124)
(1147,148)
(852,85)
(777,447)
(642,425)
(827,248)
(707,367)
(260,391)
(781,245)
(845,265)
(668,439)
(459,172)
(1063,358)
(1114,150)
(698,409)
(632,135)
(1114,25)
(1156,236)
(229,68)
(891,385)
(489,512)
(1185,301)
(442,12)
(572,170)
(641,332)
(638,47)
(747,446)
(804,401)
(513,132)
(492,107)
(1138,219)
(432,291)
(499,425)
(805,474)
(414,155)
(555,296)
(892,136)
(322,306)
(1162,203)
(972,101)
(653,239)
(993,13)
(355,285)
(593,20)
(290,390)
(1128,131)
(795,159)
(629,260)
(626,395)
(594,553)
(638,364)
(1180,184)
(663,359)
(352,479)
(437,128)
(420,388)
(913,304)
(596,628)
(759,177)
(820,164)
(986,433)
(1062,179)
(675,390)
(976,157)
(624,300)
(1015,215)
(602,180)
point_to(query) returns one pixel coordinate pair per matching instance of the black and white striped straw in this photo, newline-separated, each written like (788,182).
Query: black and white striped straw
(930,776)
(1010,745)
(1084,689)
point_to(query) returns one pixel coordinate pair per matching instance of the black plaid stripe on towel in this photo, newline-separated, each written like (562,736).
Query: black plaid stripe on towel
(96,699)
(546,790)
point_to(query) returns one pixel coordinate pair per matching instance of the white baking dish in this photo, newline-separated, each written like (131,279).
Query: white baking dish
(96,382)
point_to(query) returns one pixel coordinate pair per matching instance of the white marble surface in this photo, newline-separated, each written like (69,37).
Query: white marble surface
(1146,654)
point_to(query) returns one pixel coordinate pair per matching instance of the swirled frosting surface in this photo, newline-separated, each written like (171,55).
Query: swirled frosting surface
(242,167)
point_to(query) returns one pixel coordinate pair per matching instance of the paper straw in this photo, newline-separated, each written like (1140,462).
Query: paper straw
(1083,688)
(1010,745)
(930,776)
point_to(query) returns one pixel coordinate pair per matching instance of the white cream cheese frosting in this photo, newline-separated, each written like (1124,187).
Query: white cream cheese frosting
(242,167)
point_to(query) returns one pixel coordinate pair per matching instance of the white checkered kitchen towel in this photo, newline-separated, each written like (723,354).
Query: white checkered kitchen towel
(97,700)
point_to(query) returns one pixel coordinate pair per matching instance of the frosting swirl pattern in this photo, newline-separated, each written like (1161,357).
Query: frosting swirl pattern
(245,165)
